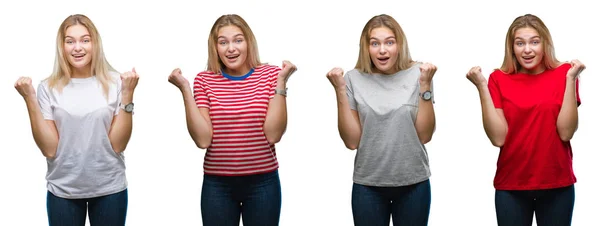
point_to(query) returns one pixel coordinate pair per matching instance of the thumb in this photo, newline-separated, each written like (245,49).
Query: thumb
(133,70)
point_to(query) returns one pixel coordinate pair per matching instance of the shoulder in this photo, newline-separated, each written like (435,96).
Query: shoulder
(353,73)
(267,68)
(563,67)
(497,74)
(203,74)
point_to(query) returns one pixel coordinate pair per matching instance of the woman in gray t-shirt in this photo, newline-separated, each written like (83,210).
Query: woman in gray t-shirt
(81,119)
(385,111)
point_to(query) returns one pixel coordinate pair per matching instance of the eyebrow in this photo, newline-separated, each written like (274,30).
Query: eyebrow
(537,36)
(383,39)
(83,36)
(233,36)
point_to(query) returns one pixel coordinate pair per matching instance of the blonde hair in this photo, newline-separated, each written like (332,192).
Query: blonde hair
(364,62)
(61,74)
(214,62)
(510,64)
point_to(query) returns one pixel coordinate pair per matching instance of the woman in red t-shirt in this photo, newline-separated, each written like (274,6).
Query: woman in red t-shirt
(237,112)
(529,109)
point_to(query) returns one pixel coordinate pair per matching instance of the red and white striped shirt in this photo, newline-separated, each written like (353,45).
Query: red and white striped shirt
(238,108)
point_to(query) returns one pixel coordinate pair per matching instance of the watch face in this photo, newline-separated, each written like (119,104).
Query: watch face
(427,95)
(129,107)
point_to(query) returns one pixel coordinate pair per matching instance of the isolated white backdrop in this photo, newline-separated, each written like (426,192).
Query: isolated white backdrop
(164,167)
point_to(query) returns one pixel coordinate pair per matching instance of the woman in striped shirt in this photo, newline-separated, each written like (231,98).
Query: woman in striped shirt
(237,111)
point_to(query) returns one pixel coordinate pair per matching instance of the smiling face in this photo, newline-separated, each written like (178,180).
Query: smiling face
(383,50)
(233,50)
(78,48)
(529,51)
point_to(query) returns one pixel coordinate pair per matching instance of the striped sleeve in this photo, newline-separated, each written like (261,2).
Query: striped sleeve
(200,93)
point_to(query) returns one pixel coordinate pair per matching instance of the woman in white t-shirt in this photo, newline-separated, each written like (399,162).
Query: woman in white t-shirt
(81,119)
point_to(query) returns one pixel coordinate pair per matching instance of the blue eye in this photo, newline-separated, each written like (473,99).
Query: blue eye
(390,43)
(374,44)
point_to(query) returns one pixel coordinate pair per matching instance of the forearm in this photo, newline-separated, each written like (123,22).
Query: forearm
(276,119)
(348,125)
(45,137)
(494,125)
(198,125)
(568,116)
(120,131)
(425,122)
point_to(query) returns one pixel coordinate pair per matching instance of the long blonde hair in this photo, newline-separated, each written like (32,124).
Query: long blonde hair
(510,64)
(364,62)
(214,62)
(61,74)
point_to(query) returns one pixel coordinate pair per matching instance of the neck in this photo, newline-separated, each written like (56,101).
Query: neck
(84,72)
(237,72)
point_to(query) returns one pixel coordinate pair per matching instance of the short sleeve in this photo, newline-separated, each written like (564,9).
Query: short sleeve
(273,75)
(350,92)
(495,90)
(43,98)
(200,93)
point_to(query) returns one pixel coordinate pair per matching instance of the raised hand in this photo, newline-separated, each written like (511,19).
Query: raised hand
(24,87)
(129,81)
(336,78)
(427,72)
(177,79)
(474,75)
(287,69)
(576,68)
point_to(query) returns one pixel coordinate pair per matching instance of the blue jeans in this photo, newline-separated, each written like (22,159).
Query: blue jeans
(108,210)
(257,198)
(408,205)
(552,207)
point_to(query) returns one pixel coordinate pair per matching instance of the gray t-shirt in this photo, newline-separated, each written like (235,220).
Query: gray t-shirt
(389,153)
(85,164)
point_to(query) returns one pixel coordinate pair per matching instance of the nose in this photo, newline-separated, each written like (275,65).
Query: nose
(382,49)
(527,48)
(77,46)
(230,47)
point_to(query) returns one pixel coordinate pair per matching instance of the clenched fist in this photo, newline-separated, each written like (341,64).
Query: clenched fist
(576,68)
(177,79)
(129,81)
(23,85)
(287,69)
(427,72)
(474,75)
(336,78)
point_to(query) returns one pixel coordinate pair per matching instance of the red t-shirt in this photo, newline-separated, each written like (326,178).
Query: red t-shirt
(533,156)
(238,108)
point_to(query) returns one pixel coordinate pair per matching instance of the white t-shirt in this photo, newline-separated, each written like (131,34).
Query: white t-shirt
(85,164)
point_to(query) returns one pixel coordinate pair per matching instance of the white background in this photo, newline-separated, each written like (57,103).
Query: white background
(164,167)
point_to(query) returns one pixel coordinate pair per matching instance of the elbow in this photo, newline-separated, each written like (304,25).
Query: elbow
(202,145)
(351,145)
(498,142)
(425,140)
(565,136)
(49,155)
(273,139)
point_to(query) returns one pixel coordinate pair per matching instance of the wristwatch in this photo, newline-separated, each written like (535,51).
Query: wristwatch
(426,95)
(282,92)
(127,107)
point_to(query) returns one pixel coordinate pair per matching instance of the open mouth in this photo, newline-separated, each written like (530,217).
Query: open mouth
(528,59)
(78,56)
(383,60)
(232,57)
